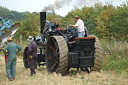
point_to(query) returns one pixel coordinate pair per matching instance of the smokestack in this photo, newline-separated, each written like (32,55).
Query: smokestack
(42,18)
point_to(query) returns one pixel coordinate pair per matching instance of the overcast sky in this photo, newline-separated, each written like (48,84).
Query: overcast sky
(61,7)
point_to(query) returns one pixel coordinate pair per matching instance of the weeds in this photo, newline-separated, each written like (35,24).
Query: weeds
(116,56)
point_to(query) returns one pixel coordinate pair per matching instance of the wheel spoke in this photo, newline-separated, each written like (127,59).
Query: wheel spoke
(53,65)
(55,42)
(53,50)
(57,48)
(55,45)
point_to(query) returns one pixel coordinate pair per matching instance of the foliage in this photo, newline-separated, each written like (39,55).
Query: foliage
(106,21)
(112,23)
(53,17)
(30,26)
(7,14)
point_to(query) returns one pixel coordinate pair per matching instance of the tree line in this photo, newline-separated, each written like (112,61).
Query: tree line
(105,21)
(8,14)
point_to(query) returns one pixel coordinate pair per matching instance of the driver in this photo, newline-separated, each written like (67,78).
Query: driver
(80,26)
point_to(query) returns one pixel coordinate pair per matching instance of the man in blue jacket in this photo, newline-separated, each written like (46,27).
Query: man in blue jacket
(11,59)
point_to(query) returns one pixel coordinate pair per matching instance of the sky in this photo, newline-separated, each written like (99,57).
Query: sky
(61,7)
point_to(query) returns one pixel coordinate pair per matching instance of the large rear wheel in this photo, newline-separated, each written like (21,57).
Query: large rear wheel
(98,55)
(56,55)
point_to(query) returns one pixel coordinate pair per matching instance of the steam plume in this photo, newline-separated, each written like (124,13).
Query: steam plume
(59,4)
(56,5)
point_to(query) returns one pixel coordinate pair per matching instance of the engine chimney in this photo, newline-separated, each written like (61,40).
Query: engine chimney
(42,18)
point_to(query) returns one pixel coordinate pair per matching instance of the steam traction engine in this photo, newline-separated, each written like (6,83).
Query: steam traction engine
(61,49)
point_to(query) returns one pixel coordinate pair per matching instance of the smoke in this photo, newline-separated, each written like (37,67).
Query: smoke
(56,5)
(59,4)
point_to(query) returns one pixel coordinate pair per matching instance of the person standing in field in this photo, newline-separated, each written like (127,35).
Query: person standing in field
(11,59)
(32,53)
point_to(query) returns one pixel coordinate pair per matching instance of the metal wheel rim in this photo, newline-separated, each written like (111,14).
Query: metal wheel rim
(53,55)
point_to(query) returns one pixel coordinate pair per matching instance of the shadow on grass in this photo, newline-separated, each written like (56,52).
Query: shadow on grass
(71,72)
(74,72)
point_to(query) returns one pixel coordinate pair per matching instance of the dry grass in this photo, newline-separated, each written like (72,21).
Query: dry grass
(116,55)
(112,47)
(43,78)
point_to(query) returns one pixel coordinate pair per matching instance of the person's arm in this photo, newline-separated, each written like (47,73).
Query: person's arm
(76,25)
(73,25)
(30,48)
(4,50)
(19,48)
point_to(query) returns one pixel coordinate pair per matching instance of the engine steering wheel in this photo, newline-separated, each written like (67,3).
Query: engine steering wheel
(72,31)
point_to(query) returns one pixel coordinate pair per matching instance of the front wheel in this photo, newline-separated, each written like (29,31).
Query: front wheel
(56,55)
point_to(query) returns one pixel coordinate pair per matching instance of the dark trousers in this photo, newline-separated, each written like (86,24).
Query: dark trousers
(32,65)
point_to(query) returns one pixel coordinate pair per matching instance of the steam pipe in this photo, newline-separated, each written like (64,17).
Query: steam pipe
(42,18)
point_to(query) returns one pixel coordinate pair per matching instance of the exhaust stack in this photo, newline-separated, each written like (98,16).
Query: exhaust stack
(42,19)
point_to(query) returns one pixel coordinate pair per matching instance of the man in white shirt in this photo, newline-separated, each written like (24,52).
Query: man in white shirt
(80,26)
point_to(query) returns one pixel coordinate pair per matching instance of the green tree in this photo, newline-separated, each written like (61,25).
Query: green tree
(113,22)
(30,26)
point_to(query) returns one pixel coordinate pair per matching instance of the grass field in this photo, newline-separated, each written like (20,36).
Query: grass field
(115,56)
(114,70)
(72,78)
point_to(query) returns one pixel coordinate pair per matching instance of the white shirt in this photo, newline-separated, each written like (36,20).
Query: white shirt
(80,25)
